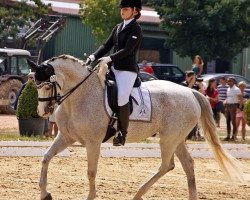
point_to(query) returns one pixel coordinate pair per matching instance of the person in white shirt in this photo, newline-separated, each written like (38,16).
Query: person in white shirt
(240,115)
(232,102)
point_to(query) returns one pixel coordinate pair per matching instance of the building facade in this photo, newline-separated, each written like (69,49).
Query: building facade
(76,39)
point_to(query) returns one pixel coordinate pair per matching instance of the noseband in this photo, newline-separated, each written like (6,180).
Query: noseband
(53,97)
(53,91)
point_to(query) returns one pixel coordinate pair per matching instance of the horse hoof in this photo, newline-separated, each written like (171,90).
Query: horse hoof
(48,197)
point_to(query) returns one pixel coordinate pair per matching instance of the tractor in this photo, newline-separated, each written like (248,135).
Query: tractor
(13,73)
(13,62)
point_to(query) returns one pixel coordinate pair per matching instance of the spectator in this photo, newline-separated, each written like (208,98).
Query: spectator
(191,83)
(52,124)
(240,115)
(222,89)
(213,97)
(197,67)
(233,100)
(147,68)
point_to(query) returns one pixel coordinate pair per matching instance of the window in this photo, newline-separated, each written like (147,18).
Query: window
(177,72)
(23,65)
(3,65)
(161,71)
(13,68)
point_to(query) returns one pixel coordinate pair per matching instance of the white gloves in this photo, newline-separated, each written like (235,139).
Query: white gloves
(90,59)
(104,60)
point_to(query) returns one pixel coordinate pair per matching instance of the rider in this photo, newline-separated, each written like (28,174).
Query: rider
(126,39)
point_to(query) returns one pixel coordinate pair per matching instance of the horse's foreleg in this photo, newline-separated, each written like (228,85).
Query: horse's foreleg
(167,154)
(188,165)
(93,153)
(59,144)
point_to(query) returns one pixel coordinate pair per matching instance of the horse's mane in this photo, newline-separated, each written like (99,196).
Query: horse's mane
(100,72)
(66,57)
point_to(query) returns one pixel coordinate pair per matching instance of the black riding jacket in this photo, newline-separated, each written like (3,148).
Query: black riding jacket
(126,44)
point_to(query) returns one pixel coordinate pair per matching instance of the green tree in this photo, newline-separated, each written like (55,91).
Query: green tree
(101,16)
(14,17)
(210,28)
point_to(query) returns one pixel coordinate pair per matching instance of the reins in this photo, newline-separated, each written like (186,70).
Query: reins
(54,83)
(65,96)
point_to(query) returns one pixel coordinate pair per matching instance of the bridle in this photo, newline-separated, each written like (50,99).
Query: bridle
(52,97)
(53,84)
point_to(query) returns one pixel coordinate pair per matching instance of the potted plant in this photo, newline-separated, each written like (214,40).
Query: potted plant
(247,111)
(28,120)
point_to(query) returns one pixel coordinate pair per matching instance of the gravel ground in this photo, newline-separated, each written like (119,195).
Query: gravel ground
(8,122)
(117,178)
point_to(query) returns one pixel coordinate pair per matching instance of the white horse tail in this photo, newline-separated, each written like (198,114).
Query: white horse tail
(229,165)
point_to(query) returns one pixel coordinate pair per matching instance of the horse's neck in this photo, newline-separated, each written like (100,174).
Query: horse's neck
(68,78)
(88,94)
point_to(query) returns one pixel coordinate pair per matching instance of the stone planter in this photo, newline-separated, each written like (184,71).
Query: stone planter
(32,126)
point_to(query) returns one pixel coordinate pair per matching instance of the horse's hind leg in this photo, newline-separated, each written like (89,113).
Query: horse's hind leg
(59,144)
(188,165)
(93,153)
(167,154)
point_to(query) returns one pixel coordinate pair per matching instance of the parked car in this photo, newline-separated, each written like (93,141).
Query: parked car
(168,72)
(144,76)
(237,77)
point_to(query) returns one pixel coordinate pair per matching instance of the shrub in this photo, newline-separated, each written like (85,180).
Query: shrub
(247,111)
(28,102)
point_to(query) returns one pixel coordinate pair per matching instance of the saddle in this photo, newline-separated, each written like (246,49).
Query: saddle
(112,91)
(112,94)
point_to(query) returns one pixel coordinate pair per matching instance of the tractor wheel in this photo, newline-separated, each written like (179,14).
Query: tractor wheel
(8,95)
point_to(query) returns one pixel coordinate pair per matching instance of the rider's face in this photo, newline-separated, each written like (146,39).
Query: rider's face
(128,13)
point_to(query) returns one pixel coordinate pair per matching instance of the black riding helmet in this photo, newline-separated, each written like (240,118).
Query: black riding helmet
(130,3)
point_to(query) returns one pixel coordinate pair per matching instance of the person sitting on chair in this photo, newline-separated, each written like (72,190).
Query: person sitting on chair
(126,39)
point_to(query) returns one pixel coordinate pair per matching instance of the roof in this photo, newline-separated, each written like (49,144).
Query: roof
(71,7)
(11,52)
(149,15)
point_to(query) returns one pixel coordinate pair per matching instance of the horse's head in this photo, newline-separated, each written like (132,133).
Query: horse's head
(46,87)
(60,75)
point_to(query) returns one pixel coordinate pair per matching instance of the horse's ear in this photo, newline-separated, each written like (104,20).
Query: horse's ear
(49,71)
(32,65)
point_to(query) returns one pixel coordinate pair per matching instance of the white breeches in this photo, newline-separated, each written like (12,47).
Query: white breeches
(125,81)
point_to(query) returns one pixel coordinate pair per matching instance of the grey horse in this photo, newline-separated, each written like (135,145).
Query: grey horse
(82,117)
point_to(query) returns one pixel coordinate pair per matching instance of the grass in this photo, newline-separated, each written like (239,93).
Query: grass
(10,135)
(14,136)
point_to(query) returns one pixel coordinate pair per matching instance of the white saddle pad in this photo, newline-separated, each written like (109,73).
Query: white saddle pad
(143,110)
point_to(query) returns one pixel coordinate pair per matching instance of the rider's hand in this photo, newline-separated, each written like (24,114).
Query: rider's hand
(104,60)
(90,59)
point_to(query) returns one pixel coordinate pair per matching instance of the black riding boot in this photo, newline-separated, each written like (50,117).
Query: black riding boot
(123,120)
